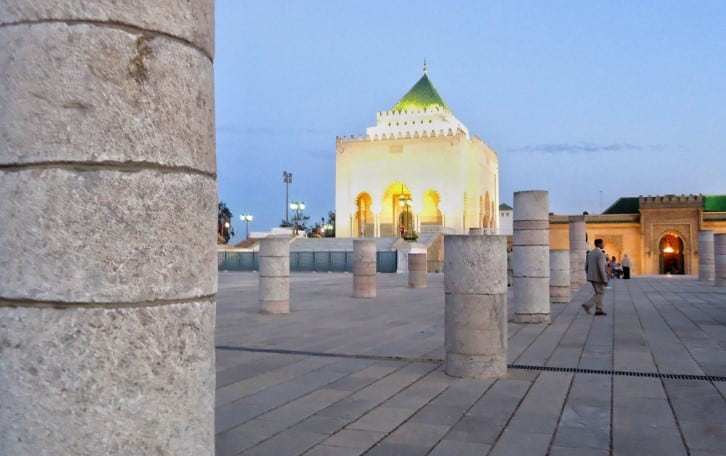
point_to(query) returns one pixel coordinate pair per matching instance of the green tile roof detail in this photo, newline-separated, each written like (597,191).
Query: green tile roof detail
(505,207)
(714,203)
(627,205)
(422,96)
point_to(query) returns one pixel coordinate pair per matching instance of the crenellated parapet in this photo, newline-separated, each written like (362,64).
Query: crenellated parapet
(422,133)
(670,201)
(426,123)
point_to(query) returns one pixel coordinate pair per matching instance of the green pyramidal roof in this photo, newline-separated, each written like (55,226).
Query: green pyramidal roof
(422,96)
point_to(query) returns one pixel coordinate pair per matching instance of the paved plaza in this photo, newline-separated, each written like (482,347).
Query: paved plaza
(346,376)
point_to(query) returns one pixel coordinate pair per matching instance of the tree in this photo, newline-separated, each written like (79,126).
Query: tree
(330,232)
(224,224)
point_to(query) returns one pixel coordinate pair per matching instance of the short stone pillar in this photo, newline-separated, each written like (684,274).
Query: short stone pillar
(475,313)
(531,257)
(706,256)
(364,268)
(559,276)
(476,231)
(417,270)
(274,277)
(719,250)
(578,251)
(108,207)
(404,248)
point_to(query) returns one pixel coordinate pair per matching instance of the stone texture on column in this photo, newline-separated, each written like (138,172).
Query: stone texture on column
(578,251)
(719,250)
(475,286)
(531,257)
(364,268)
(476,231)
(706,256)
(274,278)
(559,276)
(417,270)
(107,254)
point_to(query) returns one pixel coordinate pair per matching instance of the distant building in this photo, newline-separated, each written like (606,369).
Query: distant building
(418,169)
(506,223)
(659,233)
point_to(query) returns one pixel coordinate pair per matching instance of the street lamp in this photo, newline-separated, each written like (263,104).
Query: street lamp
(404,201)
(287,179)
(298,207)
(247,218)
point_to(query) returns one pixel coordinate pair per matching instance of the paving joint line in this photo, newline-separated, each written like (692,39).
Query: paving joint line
(574,370)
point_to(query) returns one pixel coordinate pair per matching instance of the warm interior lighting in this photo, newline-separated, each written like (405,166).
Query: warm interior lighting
(668,248)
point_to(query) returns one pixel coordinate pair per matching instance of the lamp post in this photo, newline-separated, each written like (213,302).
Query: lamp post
(404,201)
(225,232)
(298,207)
(287,179)
(247,218)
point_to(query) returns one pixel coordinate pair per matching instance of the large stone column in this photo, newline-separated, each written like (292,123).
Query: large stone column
(364,268)
(560,276)
(107,249)
(475,287)
(531,257)
(706,256)
(417,270)
(578,251)
(719,249)
(274,278)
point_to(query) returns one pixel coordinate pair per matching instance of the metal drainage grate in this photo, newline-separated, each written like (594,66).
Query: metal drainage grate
(574,370)
(707,378)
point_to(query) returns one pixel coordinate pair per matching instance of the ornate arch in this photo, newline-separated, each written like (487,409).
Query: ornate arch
(655,240)
(363,219)
(391,207)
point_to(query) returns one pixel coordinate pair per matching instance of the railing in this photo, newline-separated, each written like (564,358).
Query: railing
(305,261)
(437,229)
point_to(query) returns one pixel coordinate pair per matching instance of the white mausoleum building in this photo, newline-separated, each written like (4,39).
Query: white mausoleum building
(418,169)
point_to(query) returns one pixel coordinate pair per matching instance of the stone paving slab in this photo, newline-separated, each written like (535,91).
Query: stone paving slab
(346,376)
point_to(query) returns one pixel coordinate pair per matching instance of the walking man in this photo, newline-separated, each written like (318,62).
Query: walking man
(597,275)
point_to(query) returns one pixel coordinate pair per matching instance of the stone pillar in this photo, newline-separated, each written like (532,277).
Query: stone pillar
(560,276)
(719,250)
(108,275)
(578,251)
(509,269)
(475,286)
(706,256)
(417,270)
(531,257)
(404,249)
(476,231)
(274,278)
(364,268)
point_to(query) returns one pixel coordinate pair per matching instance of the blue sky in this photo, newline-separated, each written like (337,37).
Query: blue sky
(578,98)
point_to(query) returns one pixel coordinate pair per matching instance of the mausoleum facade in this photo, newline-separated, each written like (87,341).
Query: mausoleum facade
(416,170)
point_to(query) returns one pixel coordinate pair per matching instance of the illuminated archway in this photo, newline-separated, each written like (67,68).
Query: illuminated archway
(486,217)
(392,211)
(431,214)
(671,258)
(364,221)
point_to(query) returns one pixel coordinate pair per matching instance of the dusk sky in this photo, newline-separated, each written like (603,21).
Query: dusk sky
(583,99)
